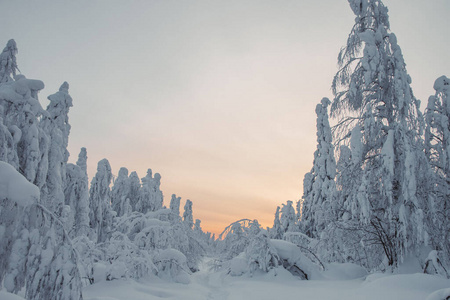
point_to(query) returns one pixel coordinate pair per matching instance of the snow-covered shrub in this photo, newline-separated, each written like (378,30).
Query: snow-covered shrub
(435,265)
(294,260)
(172,265)
(260,254)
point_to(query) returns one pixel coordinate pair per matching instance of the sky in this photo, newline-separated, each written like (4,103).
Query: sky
(216,96)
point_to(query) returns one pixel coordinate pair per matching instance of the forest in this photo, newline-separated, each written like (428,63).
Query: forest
(377,196)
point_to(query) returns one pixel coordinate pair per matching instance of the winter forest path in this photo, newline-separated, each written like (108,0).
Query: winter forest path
(213,282)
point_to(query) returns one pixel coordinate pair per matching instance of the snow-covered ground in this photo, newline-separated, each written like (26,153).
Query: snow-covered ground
(336,284)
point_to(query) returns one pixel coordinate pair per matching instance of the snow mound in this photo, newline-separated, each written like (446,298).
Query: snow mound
(9,296)
(15,187)
(443,294)
(344,271)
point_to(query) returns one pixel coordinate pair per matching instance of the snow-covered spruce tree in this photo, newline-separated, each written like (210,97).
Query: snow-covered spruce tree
(319,187)
(276,232)
(188,218)
(437,145)
(76,195)
(56,124)
(175,207)
(372,90)
(135,190)
(288,218)
(100,213)
(120,191)
(8,63)
(151,197)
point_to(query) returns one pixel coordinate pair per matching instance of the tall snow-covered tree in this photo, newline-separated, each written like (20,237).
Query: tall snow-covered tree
(319,186)
(76,194)
(56,124)
(372,90)
(188,218)
(437,145)
(100,213)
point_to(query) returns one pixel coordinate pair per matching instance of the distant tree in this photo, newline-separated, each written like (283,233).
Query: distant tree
(188,218)
(76,194)
(151,197)
(175,205)
(100,213)
(288,218)
(8,63)
(120,193)
(276,232)
(135,190)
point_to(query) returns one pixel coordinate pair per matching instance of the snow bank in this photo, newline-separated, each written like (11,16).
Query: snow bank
(15,187)
(345,271)
(9,296)
(440,295)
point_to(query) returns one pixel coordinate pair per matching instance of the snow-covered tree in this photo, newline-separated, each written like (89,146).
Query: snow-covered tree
(135,190)
(76,194)
(319,186)
(437,145)
(120,193)
(261,254)
(276,232)
(188,218)
(151,197)
(35,252)
(288,218)
(175,205)
(56,124)
(374,101)
(8,63)
(100,214)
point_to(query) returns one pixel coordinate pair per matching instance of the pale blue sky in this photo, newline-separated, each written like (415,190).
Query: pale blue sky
(217,96)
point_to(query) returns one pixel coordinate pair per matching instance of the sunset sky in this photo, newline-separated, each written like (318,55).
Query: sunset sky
(216,96)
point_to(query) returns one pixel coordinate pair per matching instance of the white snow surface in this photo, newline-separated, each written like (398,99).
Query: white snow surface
(15,187)
(277,284)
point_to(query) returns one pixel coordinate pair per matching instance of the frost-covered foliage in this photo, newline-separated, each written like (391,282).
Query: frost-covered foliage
(437,147)
(35,251)
(318,185)
(379,116)
(100,213)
